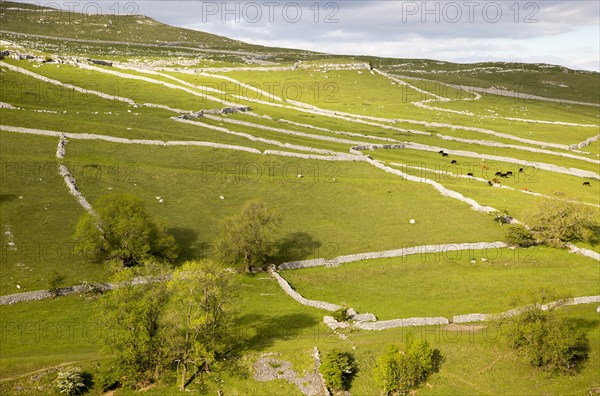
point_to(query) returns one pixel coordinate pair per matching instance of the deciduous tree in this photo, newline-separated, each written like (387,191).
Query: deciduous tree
(247,240)
(123,230)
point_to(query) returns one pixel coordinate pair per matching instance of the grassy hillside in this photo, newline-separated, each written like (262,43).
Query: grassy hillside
(122,22)
(302,144)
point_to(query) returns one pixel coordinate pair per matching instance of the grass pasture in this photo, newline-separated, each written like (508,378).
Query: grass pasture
(447,283)
(328,208)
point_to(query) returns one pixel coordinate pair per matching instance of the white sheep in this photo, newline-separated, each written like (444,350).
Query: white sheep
(412,221)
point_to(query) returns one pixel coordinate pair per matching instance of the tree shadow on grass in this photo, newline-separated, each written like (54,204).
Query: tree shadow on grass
(186,239)
(7,197)
(255,332)
(585,325)
(296,246)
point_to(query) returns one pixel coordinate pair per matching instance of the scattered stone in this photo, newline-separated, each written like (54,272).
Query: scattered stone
(334,324)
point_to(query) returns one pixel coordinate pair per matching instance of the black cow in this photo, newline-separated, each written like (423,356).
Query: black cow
(587,184)
(520,169)
(498,174)
(470,174)
(441,152)
(453,162)
(490,183)
(444,154)
(509,173)
(504,175)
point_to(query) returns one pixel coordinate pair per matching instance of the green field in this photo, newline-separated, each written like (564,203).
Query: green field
(293,152)
(447,283)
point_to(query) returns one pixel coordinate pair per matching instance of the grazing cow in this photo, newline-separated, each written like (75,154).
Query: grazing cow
(495,180)
(444,154)
(509,173)
(525,189)
(498,174)
(441,152)
(490,183)
(587,184)
(369,157)
(504,175)
(520,169)
(453,162)
(470,174)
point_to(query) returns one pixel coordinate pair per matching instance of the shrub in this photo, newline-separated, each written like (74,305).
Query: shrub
(519,235)
(398,372)
(341,315)
(546,340)
(107,378)
(555,222)
(338,368)
(55,282)
(73,381)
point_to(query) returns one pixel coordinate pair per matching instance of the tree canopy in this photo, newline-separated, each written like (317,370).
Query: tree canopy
(247,239)
(122,229)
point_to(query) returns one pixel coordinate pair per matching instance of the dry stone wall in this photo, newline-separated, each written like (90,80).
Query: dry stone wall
(425,249)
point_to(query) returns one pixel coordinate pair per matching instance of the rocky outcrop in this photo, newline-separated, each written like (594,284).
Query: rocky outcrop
(100,62)
(334,66)
(225,110)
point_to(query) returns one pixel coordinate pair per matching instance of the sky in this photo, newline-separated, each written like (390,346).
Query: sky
(566,33)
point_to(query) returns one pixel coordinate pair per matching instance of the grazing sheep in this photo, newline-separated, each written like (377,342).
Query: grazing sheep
(221,197)
(587,184)
(473,261)
(412,221)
